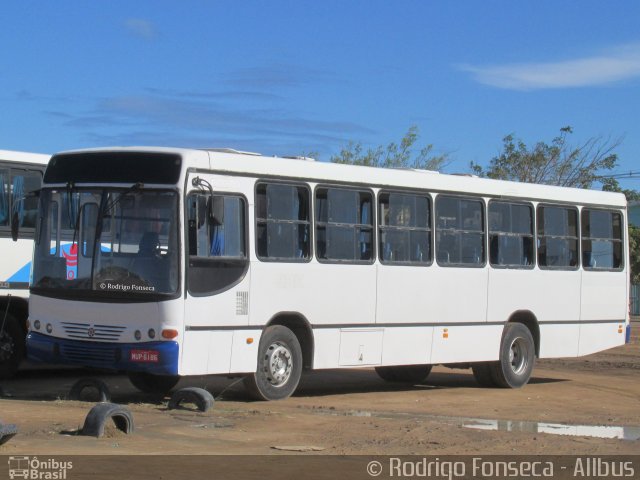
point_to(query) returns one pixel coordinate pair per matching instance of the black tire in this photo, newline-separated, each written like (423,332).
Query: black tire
(517,357)
(148,383)
(279,365)
(76,392)
(12,346)
(7,431)
(98,416)
(199,396)
(404,373)
(483,374)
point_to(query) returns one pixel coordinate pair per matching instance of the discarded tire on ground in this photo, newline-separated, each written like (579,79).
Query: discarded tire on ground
(99,415)
(91,384)
(198,396)
(6,432)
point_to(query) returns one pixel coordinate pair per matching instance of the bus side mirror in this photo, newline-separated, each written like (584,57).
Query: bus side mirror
(201,209)
(15,226)
(216,210)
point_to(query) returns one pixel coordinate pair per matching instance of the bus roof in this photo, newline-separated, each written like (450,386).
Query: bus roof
(25,157)
(229,161)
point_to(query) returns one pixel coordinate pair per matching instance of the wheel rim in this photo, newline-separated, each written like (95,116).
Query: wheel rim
(278,364)
(519,355)
(6,346)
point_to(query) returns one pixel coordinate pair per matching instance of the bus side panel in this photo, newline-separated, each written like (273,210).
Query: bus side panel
(604,295)
(16,262)
(511,290)
(327,347)
(244,352)
(556,298)
(324,294)
(407,345)
(456,344)
(559,340)
(406,295)
(595,337)
(459,295)
(206,348)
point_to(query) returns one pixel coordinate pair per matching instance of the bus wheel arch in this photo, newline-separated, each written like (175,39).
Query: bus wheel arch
(529,320)
(519,346)
(301,328)
(278,367)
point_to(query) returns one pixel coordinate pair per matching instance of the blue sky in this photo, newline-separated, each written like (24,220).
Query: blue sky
(287,77)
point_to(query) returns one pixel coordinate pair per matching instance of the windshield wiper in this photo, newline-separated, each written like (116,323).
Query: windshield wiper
(133,188)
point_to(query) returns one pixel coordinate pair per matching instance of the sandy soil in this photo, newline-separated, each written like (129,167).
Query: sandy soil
(344,412)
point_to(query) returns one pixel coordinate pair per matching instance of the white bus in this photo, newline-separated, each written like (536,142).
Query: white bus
(20,174)
(168,262)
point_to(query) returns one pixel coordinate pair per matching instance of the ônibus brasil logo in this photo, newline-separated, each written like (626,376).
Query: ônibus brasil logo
(35,469)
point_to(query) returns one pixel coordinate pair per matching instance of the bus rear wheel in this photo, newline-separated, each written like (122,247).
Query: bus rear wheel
(279,365)
(483,373)
(517,357)
(12,346)
(404,373)
(148,383)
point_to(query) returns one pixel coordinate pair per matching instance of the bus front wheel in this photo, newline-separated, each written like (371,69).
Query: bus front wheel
(148,383)
(11,345)
(279,365)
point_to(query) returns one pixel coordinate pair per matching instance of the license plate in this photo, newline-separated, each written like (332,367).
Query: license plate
(144,356)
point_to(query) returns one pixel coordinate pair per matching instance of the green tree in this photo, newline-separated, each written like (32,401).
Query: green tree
(634,253)
(394,155)
(610,184)
(557,163)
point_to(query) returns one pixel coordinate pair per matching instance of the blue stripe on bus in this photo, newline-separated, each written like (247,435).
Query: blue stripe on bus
(114,356)
(21,275)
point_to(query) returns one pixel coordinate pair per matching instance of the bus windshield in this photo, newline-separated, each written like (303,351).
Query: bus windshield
(108,241)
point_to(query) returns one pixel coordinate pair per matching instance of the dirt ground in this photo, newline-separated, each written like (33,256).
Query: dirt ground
(345,412)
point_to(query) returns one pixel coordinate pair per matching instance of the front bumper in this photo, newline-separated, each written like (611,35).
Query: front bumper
(112,356)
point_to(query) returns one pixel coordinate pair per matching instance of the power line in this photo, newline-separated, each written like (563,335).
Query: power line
(629,174)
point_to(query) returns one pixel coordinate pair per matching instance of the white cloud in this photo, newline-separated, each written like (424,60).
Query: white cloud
(620,63)
(141,28)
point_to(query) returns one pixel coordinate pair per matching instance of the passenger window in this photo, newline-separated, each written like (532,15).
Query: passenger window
(344,225)
(510,234)
(24,182)
(283,223)
(4,197)
(404,228)
(557,237)
(15,184)
(459,232)
(216,242)
(601,240)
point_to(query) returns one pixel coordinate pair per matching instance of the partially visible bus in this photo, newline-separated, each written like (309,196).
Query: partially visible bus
(20,174)
(168,262)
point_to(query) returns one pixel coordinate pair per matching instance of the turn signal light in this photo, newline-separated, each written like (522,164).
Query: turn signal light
(169,333)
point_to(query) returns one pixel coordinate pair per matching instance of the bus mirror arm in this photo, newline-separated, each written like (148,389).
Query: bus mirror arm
(215,205)
(15,226)
(216,210)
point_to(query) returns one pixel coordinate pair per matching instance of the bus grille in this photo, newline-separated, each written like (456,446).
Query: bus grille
(93,354)
(86,331)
